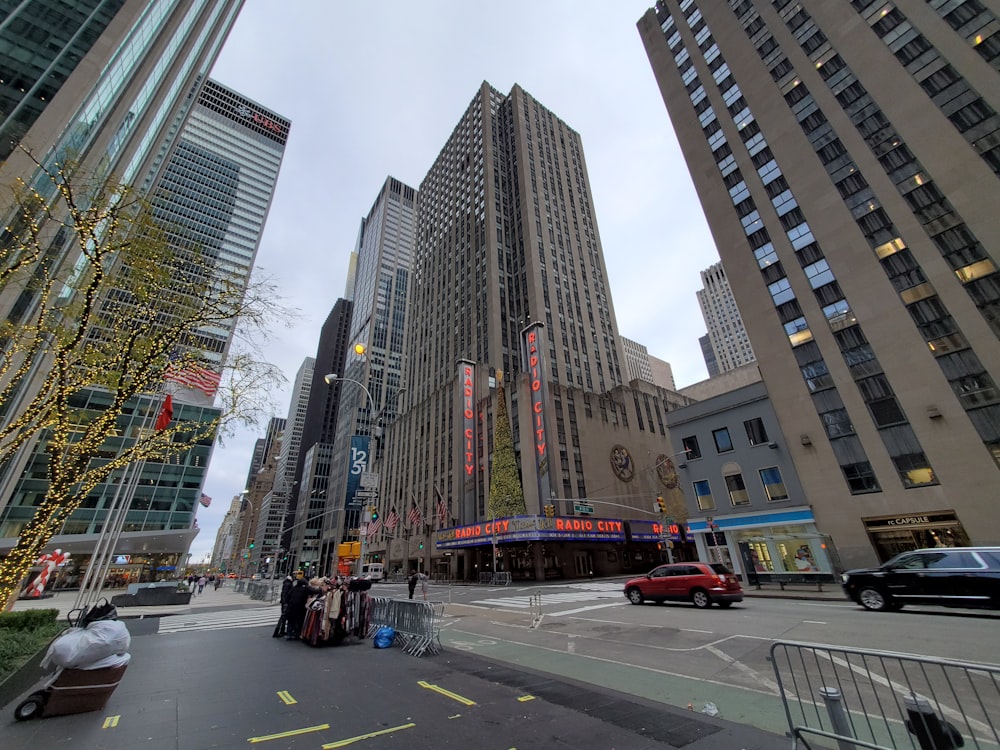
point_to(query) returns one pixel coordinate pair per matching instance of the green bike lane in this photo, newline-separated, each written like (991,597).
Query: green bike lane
(684,670)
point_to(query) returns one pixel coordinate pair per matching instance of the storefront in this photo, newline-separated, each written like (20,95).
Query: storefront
(542,548)
(891,535)
(758,544)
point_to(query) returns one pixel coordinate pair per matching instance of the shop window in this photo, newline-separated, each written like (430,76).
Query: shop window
(703,494)
(774,485)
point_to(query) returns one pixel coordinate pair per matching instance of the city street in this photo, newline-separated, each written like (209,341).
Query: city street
(594,671)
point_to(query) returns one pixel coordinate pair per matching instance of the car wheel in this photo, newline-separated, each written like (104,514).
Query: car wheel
(701,599)
(634,595)
(31,707)
(871,598)
(725,605)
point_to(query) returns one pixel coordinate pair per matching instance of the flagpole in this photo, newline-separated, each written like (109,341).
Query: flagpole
(100,559)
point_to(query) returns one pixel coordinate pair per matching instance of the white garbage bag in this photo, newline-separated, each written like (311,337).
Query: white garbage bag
(78,648)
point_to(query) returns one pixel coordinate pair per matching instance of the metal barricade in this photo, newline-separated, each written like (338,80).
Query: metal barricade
(501,578)
(416,623)
(859,698)
(261,591)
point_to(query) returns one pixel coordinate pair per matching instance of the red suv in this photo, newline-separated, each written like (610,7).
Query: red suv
(699,583)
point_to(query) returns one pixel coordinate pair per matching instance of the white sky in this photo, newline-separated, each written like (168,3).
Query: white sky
(374,89)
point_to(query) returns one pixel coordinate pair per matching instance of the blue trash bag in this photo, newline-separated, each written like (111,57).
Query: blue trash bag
(384,637)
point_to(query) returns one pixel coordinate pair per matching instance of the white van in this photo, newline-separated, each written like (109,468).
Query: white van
(374,571)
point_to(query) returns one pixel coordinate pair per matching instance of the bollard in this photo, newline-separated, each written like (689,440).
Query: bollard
(931,731)
(841,722)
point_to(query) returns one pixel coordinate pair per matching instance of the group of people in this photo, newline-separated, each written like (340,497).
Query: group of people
(322,610)
(198,583)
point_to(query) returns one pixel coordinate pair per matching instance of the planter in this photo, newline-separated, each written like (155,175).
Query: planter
(27,676)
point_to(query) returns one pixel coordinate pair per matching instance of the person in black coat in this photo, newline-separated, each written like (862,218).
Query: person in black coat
(411,583)
(295,608)
(286,586)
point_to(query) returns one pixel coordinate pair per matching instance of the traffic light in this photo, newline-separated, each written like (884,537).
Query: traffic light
(421,545)
(661,504)
(374,514)
(250,546)
(550,511)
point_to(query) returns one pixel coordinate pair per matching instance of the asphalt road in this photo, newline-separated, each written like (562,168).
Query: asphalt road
(196,688)
(550,666)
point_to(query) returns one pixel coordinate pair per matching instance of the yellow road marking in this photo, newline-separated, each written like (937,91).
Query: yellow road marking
(111,721)
(291,733)
(524,698)
(352,740)
(286,697)
(448,693)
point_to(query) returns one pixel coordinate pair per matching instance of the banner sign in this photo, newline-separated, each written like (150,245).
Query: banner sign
(653,531)
(357,465)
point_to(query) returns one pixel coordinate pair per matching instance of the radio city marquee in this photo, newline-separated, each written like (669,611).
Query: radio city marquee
(532,528)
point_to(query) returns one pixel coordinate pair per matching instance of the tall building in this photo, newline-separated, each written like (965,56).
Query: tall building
(510,290)
(726,334)
(708,354)
(273,516)
(847,159)
(309,503)
(381,293)
(637,360)
(138,106)
(217,184)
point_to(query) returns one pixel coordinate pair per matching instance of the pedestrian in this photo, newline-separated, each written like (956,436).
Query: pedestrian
(201,584)
(424,583)
(411,583)
(295,611)
(286,586)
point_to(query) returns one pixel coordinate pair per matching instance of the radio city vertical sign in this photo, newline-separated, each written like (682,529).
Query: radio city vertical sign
(467,424)
(532,358)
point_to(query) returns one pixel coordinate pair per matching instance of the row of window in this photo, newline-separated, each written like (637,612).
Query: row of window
(736,490)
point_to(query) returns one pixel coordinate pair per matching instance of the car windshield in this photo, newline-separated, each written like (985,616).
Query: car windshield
(721,569)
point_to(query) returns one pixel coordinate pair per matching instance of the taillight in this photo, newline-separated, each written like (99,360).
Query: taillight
(720,581)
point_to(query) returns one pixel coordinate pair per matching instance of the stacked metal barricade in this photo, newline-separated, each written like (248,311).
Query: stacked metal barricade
(417,623)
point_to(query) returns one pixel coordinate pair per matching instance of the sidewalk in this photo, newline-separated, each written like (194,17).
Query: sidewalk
(225,597)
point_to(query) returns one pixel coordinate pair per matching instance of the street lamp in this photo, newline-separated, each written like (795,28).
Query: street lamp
(334,378)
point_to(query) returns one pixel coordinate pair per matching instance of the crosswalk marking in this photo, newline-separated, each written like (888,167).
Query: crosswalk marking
(569,597)
(240,618)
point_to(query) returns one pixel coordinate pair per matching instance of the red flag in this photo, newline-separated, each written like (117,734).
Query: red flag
(166,413)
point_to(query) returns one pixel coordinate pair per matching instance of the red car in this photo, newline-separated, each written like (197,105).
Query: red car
(699,583)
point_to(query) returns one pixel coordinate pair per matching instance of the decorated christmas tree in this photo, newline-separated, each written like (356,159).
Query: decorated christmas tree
(506,491)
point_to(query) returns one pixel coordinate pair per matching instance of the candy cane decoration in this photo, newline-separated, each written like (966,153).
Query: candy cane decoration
(49,562)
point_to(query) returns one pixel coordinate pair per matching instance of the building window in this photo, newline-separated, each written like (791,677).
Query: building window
(756,433)
(723,443)
(774,486)
(737,490)
(703,494)
(691,448)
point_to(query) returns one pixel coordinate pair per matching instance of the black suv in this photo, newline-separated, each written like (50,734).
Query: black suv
(949,576)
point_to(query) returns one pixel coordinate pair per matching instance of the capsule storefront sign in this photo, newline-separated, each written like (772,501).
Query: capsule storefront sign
(532,528)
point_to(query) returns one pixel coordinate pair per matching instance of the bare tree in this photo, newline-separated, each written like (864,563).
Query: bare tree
(108,299)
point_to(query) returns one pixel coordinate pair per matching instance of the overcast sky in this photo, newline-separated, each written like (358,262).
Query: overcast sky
(375,89)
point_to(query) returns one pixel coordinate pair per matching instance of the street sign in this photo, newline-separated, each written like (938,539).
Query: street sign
(368,480)
(583,508)
(365,493)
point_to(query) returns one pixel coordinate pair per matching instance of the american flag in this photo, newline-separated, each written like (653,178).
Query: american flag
(375,526)
(414,517)
(192,375)
(442,511)
(205,500)
(392,521)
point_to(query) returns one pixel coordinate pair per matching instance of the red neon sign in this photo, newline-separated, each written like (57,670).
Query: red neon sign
(536,393)
(265,122)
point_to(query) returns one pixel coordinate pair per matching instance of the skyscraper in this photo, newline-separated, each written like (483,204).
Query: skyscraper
(381,293)
(726,334)
(510,289)
(847,159)
(137,105)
